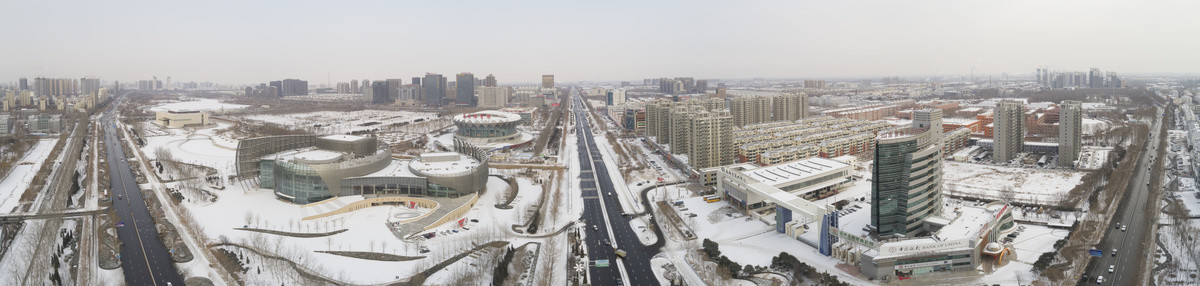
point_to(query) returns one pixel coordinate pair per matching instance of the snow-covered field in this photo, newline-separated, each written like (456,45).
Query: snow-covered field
(329,122)
(1036,186)
(22,174)
(1092,158)
(198,105)
(1093,126)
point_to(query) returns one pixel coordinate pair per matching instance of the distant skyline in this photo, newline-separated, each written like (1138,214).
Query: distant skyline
(232,42)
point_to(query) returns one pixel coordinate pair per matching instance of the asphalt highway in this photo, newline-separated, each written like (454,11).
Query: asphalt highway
(602,205)
(144,258)
(1134,213)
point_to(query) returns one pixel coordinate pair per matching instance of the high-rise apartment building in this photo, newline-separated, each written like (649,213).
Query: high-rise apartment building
(709,138)
(1008,132)
(658,120)
(680,120)
(24,84)
(490,80)
(790,107)
(548,81)
(465,89)
(701,87)
(416,80)
(1095,78)
(290,87)
(814,83)
(342,88)
(89,85)
(380,94)
(906,188)
(1070,135)
(750,110)
(663,124)
(409,94)
(55,86)
(435,89)
(614,97)
(367,90)
(354,88)
(493,96)
(393,88)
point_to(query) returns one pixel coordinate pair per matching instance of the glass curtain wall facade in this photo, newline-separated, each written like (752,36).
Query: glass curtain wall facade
(906,187)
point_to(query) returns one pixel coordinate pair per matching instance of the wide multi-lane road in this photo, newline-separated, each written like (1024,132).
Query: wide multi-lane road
(608,227)
(1135,214)
(144,258)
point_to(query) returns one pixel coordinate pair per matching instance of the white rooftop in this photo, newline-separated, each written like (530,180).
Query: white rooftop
(439,157)
(344,138)
(487,116)
(317,155)
(958,121)
(437,167)
(969,222)
(794,171)
(398,168)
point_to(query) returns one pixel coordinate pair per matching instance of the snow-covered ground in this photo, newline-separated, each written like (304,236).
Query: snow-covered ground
(330,122)
(22,174)
(1092,158)
(20,252)
(1093,126)
(749,241)
(753,241)
(1035,186)
(198,105)
(241,205)
(1181,268)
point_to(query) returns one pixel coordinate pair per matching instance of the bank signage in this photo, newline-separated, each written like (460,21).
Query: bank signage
(923,264)
(902,248)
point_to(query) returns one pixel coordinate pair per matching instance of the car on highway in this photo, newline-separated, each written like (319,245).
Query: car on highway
(1114,252)
(1118,226)
(595,228)
(1099,279)
(1123,228)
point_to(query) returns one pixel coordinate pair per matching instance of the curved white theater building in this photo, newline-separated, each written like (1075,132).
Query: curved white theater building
(490,129)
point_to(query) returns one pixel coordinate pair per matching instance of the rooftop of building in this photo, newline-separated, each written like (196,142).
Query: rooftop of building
(440,164)
(305,155)
(968,223)
(182,111)
(518,109)
(343,137)
(397,168)
(487,116)
(794,170)
(317,155)
(959,121)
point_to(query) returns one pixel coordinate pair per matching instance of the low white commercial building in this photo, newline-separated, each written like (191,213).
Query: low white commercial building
(177,118)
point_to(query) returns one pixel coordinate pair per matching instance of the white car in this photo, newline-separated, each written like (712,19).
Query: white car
(1111,268)
(1099,279)
(1122,228)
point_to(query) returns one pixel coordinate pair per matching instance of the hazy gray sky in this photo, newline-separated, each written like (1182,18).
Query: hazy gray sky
(236,42)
